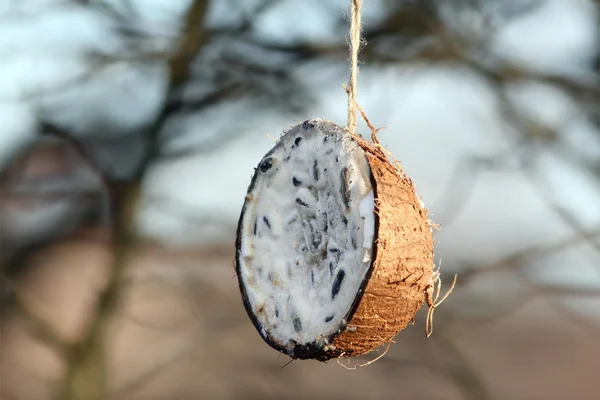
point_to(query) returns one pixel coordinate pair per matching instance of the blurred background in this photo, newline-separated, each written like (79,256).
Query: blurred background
(129,132)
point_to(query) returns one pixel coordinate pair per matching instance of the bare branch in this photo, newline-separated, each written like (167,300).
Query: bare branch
(38,326)
(86,377)
(517,259)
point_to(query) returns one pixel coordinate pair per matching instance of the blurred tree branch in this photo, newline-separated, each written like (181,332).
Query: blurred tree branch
(39,327)
(86,375)
(438,44)
(518,259)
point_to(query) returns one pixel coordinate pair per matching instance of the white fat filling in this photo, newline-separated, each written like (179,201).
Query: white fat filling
(307,236)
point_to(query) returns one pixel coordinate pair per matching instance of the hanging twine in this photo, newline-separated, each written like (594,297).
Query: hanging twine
(355,30)
(351,88)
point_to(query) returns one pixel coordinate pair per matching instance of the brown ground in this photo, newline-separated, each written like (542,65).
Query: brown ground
(183,334)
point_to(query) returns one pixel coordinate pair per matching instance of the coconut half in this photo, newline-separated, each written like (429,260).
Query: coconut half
(334,248)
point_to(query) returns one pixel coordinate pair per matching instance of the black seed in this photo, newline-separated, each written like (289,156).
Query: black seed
(307,228)
(336,252)
(313,237)
(315,171)
(329,151)
(329,318)
(296,182)
(304,249)
(287,158)
(266,164)
(344,220)
(297,323)
(301,203)
(337,283)
(255,225)
(316,241)
(312,277)
(291,221)
(309,124)
(298,140)
(276,312)
(337,159)
(353,241)
(345,189)
(331,268)
(325,139)
(267,223)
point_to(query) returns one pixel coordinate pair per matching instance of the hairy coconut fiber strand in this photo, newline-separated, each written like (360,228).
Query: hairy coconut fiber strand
(334,248)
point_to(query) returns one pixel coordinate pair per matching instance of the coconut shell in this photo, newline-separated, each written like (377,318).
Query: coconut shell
(401,275)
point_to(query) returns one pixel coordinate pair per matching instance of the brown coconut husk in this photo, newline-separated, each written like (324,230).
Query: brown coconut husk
(402,273)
